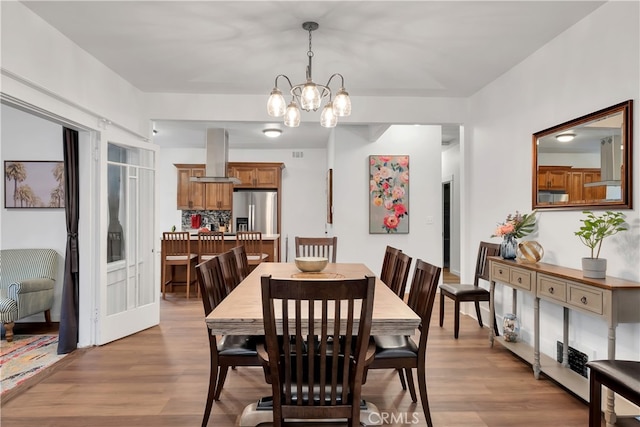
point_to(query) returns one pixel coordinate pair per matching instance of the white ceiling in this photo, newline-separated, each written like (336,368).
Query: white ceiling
(382,48)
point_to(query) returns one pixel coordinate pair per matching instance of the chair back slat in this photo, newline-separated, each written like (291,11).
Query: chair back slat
(388,264)
(482,263)
(229,270)
(252,241)
(211,243)
(423,294)
(317,247)
(314,361)
(211,284)
(242,263)
(400,274)
(176,243)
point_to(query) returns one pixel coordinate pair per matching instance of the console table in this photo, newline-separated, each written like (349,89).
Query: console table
(612,299)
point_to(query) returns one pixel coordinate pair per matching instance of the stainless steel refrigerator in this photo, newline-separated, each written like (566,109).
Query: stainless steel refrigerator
(257,209)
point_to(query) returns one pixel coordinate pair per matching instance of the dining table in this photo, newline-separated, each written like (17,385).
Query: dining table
(240,313)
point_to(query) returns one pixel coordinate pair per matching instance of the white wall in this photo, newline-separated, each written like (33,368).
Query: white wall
(26,137)
(351,195)
(451,173)
(592,65)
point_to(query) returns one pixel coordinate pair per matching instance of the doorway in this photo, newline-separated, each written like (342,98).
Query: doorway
(446,224)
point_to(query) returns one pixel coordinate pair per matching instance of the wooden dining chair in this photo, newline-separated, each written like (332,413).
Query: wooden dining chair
(401,352)
(229,268)
(400,274)
(322,379)
(317,247)
(210,244)
(252,241)
(176,250)
(231,350)
(470,293)
(242,263)
(388,264)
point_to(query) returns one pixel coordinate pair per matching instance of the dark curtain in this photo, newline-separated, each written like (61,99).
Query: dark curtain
(68,339)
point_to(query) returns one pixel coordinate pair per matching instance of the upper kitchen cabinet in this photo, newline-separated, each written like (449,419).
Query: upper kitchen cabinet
(218,196)
(191,195)
(256,175)
(552,177)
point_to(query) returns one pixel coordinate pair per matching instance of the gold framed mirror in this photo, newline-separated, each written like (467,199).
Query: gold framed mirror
(585,163)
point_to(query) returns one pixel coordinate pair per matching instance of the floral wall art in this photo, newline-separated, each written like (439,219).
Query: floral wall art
(33,184)
(388,194)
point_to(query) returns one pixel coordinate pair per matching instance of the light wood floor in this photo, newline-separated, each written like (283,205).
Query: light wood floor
(159,377)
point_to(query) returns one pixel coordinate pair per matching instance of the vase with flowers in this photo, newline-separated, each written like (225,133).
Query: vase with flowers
(514,227)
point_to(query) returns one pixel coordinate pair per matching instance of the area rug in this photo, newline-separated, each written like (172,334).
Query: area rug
(25,357)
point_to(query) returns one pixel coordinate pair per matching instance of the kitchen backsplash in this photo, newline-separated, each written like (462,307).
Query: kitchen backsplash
(207,217)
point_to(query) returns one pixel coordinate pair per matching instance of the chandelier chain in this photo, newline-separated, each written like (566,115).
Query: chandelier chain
(310,52)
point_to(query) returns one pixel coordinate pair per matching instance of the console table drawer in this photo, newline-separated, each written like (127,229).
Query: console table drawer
(551,288)
(589,299)
(521,278)
(501,273)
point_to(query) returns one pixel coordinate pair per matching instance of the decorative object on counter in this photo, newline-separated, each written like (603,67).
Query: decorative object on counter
(211,219)
(34,184)
(530,251)
(514,227)
(593,231)
(388,194)
(309,96)
(511,327)
(311,264)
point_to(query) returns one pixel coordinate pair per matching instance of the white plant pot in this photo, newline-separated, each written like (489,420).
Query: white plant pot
(594,268)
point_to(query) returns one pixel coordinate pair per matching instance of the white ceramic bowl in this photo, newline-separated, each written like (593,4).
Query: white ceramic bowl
(311,264)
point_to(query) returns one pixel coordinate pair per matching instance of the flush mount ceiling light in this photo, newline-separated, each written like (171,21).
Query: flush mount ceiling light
(566,137)
(308,96)
(272,132)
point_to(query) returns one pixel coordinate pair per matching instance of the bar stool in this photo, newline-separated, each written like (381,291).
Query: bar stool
(209,245)
(252,242)
(176,250)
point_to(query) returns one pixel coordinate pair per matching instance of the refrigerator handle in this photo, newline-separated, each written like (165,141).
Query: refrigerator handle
(252,217)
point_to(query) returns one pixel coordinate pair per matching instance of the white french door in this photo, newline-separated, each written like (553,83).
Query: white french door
(128,299)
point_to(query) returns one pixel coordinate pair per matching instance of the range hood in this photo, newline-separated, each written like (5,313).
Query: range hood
(217,156)
(610,163)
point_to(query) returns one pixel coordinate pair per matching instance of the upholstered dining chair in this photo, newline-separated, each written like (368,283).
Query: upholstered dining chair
(252,241)
(470,293)
(176,250)
(242,263)
(388,264)
(313,377)
(231,350)
(317,247)
(401,352)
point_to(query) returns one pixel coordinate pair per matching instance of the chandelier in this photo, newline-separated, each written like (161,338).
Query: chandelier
(309,95)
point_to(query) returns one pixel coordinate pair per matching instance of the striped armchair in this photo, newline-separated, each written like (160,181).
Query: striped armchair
(26,284)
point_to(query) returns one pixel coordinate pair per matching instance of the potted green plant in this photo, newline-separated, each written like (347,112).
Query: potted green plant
(592,232)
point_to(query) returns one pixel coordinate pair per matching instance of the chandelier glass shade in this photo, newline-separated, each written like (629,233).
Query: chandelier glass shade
(308,96)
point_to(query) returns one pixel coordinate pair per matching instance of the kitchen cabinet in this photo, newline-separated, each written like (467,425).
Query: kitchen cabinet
(256,175)
(552,177)
(218,196)
(190,194)
(578,193)
(213,196)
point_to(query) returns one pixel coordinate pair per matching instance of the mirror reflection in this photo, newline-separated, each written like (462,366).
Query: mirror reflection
(583,163)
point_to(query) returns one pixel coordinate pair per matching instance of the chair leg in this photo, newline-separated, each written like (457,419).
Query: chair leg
(422,385)
(595,402)
(47,317)
(401,376)
(8,331)
(478,313)
(221,378)
(164,277)
(412,388)
(188,278)
(456,325)
(441,308)
(213,376)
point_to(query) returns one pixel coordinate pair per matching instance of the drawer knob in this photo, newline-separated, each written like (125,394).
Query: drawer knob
(519,279)
(583,300)
(500,271)
(551,290)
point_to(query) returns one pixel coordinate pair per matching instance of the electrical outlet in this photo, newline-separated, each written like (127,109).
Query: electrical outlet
(429,219)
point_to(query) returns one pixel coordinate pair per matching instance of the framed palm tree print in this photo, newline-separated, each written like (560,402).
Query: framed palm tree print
(33,184)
